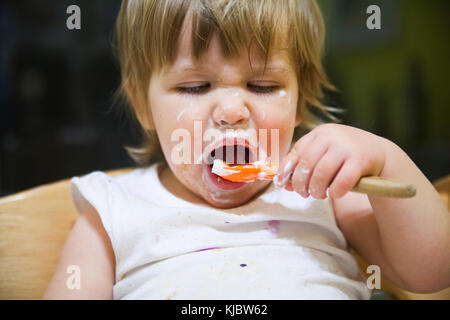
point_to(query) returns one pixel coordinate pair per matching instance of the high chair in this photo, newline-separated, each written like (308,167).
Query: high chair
(34,225)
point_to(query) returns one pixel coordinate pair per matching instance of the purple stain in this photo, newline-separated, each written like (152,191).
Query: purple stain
(243,265)
(274,226)
(157,238)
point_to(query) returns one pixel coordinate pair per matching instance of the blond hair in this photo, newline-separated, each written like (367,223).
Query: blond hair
(147,40)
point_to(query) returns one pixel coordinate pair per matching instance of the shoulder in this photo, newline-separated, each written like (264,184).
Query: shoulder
(100,185)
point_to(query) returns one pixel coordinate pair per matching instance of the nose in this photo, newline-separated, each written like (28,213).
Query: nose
(231,111)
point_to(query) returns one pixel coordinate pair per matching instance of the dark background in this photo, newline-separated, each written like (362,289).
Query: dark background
(56,85)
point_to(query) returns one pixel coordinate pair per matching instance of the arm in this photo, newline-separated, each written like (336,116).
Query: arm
(88,246)
(355,218)
(413,235)
(408,238)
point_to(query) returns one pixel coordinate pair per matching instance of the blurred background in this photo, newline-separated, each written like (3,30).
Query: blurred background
(57,85)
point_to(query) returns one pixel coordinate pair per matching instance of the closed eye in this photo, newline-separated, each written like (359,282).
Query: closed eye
(262,89)
(204,88)
(194,90)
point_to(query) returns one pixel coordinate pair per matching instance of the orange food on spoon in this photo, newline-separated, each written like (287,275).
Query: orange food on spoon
(258,170)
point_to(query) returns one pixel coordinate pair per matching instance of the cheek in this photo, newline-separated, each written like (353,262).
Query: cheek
(278,141)
(280,109)
(279,115)
(177,143)
(187,173)
(173,121)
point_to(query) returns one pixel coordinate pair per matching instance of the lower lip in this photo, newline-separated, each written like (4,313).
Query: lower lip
(221,183)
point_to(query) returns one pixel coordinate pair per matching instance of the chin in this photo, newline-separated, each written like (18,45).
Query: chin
(231,199)
(226,204)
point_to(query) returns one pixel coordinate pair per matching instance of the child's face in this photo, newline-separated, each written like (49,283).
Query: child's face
(219,94)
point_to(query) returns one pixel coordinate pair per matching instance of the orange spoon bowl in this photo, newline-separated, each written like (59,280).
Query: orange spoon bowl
(247,172)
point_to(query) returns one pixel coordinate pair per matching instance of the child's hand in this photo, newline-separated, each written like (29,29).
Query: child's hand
(331,156)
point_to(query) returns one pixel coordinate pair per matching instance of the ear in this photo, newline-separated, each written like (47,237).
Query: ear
(141,108)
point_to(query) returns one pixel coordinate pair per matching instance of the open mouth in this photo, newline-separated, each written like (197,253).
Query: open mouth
(233,153)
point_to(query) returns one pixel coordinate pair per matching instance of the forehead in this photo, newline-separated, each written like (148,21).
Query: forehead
(279,58)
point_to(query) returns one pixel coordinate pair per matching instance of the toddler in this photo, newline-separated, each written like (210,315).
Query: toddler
(204,78)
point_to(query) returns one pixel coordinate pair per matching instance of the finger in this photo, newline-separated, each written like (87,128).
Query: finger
(345,180)
(307,161)
(288,186)
(289,163)
(324,172)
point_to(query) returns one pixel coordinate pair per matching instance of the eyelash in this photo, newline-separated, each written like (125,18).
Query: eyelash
(201,89)
(193,90)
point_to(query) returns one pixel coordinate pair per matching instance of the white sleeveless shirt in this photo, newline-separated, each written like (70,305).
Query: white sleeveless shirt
(278,246)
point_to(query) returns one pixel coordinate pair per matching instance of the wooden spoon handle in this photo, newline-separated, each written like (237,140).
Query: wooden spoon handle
(377,186)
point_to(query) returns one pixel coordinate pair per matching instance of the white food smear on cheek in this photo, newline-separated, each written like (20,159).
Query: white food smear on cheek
(180,114)
(283,94)
(195,111)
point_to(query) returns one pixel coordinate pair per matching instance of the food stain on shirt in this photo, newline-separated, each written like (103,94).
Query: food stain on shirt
(274,227)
